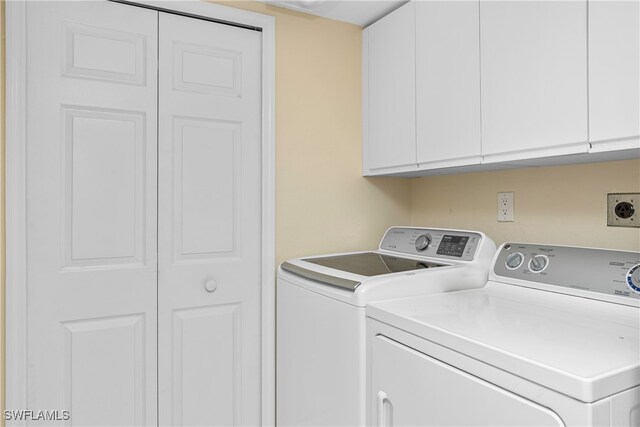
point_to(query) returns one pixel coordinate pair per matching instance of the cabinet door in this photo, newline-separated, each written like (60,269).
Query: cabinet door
(533,78)
(411,388)
(389,92)
(447,83)
(614,73)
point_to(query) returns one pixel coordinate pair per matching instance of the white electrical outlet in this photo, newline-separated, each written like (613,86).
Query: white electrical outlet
(505,207)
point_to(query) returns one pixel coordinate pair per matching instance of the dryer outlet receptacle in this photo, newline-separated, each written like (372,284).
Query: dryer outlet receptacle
(623,209)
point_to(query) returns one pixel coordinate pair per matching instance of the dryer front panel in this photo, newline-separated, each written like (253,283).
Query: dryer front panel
(411,388)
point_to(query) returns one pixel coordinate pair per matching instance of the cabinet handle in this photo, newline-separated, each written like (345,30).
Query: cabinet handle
(385,418)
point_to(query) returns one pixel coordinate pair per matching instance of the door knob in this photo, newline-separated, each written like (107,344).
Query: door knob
(210,285)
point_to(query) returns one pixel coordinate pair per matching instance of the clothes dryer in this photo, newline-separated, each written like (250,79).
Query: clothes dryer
(552,339)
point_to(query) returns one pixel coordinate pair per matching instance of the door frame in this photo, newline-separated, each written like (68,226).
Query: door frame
(15,191)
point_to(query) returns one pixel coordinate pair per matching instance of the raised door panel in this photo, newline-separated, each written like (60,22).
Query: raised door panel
(91,211)
(389,87)
(411,388)
(103,211)
(206,369)
(84,54)
(533,79)
(614,74)
(209,223)
(447,83)
(206,162)
(203,69)
(103,370)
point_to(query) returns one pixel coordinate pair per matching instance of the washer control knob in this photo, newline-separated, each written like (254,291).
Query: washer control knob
(423,242)
(538,263)
(514,260)
(633,278)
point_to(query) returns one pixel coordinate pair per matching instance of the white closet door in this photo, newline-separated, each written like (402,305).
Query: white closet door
(91,211)
(209,223)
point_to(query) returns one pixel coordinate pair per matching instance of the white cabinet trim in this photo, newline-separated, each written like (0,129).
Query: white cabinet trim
(616,144)
(453,162)
(15,134)
(537,153)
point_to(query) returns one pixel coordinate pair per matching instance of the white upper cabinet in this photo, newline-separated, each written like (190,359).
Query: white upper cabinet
(474,85)
(534,79)
(614,74)
(447,83)
(389,85)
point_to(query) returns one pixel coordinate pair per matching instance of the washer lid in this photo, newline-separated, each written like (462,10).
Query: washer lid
(372,263)
(583,348)
(358,267)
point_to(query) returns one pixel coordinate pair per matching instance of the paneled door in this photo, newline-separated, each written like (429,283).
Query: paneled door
(209,224)
(91,211)
(144,195)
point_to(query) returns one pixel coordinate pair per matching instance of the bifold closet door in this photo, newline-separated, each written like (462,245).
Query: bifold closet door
(91,212)
(209,230)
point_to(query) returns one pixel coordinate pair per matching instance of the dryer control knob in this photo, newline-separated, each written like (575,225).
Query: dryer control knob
(633,278)
(514,260)
(423,242)
(538,263)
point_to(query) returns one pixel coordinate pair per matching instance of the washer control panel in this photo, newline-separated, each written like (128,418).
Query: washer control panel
(446,244)
(602,271)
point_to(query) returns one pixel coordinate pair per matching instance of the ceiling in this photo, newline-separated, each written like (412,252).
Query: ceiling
(358,12)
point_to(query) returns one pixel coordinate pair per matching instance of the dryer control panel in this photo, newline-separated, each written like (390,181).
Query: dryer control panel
(432,242)
(594,273)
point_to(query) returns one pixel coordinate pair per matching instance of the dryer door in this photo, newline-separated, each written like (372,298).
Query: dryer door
(411,388)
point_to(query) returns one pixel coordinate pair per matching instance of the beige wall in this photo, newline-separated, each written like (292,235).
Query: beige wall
(323,204)
(563,205)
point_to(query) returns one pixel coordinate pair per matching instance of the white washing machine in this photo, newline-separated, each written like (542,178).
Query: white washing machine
(321,314)
(552,339)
